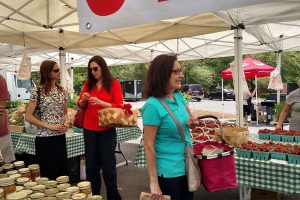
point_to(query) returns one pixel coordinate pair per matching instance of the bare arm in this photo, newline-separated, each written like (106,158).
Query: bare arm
(192,121)
(283,115)
(149,141)
(32,119)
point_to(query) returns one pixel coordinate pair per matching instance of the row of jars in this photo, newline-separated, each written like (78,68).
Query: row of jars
(32,171)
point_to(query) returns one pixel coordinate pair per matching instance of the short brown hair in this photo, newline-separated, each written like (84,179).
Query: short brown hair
(158,75)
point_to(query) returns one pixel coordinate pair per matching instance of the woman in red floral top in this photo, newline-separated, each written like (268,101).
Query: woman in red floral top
(100,91)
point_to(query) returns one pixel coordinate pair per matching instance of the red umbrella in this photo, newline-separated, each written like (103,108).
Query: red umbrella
(251,67)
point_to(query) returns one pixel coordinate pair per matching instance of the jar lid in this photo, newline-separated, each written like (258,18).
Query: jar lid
(12,172)
(1,169)
(6,181)
(63,187)
(15,176)
(49,198)
(79,196)
(51,191)
(7,166)
(29,185)
(34,167)
(22,180)
(19,188)
(62,179)
(84,184)
(3,175)
(29,192)
(37,195)
(24,170)
(72,189)
(50,184)
(19,163)
(17,195)
(41,180)
(63,195)
(38,188)
(95,197)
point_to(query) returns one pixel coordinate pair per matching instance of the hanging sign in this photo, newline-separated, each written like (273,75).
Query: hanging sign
(103,15)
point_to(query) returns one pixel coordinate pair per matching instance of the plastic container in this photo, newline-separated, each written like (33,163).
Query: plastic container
(294,159)
(275,137)
(278,155)
(264,136)
(297,139)
(260,155)
(287,138)
(244,153)
(35,171)
(8,185)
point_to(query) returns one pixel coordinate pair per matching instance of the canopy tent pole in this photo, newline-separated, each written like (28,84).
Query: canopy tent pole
(239,72)
(278,60)
(62,64)
(223,96)
(72,77)
(256,104)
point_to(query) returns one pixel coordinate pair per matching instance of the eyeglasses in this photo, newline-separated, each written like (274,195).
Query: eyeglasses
(94,69)
(56,70)
(177,71)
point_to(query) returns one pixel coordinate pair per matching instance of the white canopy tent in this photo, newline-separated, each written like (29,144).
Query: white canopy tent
(49,26)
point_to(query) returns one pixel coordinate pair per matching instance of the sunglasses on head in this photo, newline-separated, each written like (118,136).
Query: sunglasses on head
(94,69)
(56,70)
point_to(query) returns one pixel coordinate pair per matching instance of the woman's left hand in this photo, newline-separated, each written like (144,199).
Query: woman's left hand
(95,101)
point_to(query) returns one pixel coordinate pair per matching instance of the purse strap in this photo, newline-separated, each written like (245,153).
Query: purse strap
(175,120)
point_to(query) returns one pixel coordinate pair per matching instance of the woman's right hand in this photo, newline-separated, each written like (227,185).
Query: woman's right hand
(155,191)
(58,127)
(85,96)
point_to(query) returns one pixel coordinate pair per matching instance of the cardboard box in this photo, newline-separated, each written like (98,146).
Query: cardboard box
(17,129)
(258,194)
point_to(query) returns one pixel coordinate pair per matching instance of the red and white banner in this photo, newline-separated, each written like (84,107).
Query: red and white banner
(103,15)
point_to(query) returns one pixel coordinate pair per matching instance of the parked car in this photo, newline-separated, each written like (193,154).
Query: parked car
(217,94)
(196,91)
(273,97)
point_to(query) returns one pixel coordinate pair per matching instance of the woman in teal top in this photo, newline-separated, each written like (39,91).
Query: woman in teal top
(165,152)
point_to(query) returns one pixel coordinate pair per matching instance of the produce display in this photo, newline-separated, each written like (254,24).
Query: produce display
(279,135)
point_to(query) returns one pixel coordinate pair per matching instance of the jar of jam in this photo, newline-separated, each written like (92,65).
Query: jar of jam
(37,196)
(73,190)
(22,180)
(11,172)
(95,197)
(29,185)
(51,192)
(63,187)
(22,195)
(85,187)
(1,194)
(38,189)
(19,164)
(35,171)
(25,172)
(7,167)
(62,179)
(41,180)
(8,185)
(51,184)
(63,195)
(79,196)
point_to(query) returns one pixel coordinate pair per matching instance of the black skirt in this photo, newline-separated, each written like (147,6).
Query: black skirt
(51,155)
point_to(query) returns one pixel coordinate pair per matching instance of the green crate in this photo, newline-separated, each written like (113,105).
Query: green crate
(260,155)
(297,139)
(294,159)
(287,138)
(264,136)
(278,155)
(275,137)
(244,153)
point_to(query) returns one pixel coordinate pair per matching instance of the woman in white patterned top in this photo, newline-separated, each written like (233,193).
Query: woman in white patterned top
(50,102)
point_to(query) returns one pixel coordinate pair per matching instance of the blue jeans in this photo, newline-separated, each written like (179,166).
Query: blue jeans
(100,154)
(176,187)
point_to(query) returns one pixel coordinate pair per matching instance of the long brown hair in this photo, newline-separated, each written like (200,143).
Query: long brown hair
(158,75)
(107,78)
(45,71)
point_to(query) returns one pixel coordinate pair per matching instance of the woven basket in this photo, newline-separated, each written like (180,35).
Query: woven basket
(116,117)
(233,136)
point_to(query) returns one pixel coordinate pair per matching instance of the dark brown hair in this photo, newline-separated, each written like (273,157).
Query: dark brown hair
(158,75)
(107,78)
(45,72)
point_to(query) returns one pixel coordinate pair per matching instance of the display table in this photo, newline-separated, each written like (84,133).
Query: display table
(24,143)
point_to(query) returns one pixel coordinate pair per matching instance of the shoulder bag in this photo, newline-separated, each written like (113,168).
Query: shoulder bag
(79,117)
(191,165)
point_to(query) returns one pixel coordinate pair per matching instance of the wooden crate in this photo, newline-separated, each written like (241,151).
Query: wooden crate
(17,129)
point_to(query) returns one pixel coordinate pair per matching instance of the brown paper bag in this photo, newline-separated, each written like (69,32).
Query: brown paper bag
(233,136)
(146,196)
